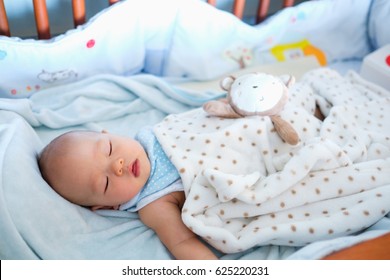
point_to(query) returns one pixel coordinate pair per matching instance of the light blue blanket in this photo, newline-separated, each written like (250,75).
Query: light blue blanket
(35,221)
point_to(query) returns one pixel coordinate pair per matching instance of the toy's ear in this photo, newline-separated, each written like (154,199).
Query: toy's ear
(226,83)
(288,80)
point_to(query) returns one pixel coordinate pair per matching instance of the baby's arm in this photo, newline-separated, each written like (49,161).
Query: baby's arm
(164,217)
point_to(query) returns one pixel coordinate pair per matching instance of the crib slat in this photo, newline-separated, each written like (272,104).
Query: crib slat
(288,3)
(42,19)
(212,2)
(78,7)
(262,10)
(4,27)
(238,8)
(112,1)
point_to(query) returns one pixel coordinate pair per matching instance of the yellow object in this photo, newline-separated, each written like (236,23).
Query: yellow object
(294,50)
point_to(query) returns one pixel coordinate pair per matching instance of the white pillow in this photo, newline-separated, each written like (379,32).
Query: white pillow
(332,30)
(111,42)
(189,39)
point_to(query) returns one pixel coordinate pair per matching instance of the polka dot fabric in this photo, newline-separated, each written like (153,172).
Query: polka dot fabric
(245,187)
(162,173)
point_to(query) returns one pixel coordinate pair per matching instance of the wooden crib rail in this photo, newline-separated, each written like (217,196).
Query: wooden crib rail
(4,28)
(262,10)
(42,17)
(78,8)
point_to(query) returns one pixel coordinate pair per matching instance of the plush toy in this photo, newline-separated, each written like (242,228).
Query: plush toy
(256,94)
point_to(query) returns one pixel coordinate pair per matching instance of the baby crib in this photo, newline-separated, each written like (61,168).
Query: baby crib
(34,100)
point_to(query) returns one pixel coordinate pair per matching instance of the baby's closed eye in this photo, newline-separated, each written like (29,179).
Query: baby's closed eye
(106,187)
(110,148)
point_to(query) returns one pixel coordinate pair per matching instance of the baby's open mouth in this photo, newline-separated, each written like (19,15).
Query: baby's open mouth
(135,168)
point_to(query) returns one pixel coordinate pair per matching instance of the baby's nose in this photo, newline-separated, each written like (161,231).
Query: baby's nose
(118,166)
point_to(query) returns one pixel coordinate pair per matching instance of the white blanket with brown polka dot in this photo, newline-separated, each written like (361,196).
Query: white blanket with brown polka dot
(245,187)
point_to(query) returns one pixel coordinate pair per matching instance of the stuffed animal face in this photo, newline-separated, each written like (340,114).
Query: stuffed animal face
(256,94)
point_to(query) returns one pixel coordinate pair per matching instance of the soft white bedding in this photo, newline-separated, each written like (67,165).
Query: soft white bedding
(45,98)
(246,187)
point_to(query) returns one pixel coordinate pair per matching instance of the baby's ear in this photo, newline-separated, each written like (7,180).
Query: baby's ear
(94,208)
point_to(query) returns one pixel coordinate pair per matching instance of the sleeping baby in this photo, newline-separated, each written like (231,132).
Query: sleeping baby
(235,182)
(106,171)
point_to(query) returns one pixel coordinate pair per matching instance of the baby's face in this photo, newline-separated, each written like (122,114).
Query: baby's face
(101,169)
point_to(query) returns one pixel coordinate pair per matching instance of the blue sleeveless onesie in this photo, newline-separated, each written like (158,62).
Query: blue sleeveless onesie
(163,179)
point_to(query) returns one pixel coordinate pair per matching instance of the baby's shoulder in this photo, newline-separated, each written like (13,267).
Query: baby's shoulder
(156,212)
(174,199)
